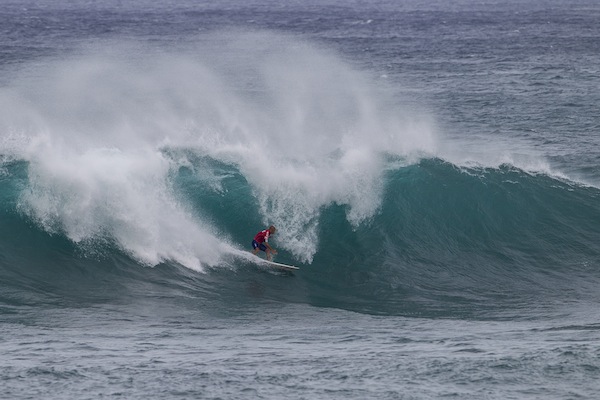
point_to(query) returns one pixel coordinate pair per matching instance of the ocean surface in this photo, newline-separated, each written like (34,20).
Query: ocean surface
(433,168)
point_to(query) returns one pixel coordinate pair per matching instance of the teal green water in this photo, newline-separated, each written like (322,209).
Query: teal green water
(444,242)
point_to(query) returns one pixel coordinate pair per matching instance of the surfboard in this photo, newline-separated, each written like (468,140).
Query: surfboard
(280,265)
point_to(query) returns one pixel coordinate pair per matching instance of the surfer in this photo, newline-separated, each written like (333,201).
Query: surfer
(261,242)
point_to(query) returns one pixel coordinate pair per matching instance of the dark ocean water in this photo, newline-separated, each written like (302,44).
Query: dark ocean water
(432,167)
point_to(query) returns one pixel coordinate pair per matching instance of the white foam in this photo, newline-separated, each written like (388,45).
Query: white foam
(305,129)
(494,152)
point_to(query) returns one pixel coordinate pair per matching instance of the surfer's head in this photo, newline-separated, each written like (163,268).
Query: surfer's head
(272,229)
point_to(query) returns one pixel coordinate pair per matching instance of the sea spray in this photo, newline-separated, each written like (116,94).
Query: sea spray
(303,127)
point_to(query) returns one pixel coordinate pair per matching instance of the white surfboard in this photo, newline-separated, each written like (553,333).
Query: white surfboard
(279,265)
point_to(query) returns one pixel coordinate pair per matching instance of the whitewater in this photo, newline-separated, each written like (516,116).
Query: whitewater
(432,169)
(103,139)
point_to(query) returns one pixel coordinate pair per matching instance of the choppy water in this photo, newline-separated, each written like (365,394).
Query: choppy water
(432,168)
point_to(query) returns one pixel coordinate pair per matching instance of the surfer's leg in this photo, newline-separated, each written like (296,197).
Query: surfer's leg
(255,246)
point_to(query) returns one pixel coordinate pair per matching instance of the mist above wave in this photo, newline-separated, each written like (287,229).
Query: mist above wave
(303,126)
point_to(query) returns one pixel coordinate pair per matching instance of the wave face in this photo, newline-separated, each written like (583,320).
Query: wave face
(107,167)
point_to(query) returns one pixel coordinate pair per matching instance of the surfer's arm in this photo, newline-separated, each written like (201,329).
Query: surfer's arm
(269,247)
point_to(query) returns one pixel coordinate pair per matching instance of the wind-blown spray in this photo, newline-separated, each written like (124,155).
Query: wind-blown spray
(302,127)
